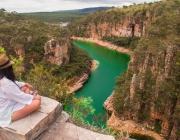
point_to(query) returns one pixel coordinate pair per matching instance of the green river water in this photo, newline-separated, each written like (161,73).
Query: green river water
(102,80)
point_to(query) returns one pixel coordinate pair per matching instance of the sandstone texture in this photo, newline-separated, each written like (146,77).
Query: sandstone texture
(108,104)
(56,51)
(68,131)
(95,64)
(126,27)
(129,126)
(79,83)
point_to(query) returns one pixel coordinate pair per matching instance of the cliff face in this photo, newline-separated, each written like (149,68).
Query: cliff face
(11,44)
(111,23)
(153,96)
(56,51)
(130,27)
(20,48)
(149,91)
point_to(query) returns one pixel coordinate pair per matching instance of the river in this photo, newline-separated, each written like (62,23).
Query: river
(102,80)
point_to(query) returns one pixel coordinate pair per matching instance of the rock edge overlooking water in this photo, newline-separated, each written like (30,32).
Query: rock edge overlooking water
(128,125)
(83,78)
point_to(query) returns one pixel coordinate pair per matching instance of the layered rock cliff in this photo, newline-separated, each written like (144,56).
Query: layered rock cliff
(56,51)
(149,91)
(113,22)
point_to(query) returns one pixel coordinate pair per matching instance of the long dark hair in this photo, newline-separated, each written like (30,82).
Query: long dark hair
(8,72)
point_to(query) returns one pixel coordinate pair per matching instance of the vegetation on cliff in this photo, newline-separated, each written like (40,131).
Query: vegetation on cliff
(126,42)
(29,35)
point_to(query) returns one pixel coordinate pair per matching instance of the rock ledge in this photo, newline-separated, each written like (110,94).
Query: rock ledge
(34,124)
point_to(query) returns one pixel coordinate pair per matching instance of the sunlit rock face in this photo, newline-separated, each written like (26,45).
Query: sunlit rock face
(56,51)
(130,27)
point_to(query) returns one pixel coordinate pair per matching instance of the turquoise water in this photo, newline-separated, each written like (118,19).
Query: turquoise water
(102,80)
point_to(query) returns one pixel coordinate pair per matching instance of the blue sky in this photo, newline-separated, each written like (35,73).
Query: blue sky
(54,5)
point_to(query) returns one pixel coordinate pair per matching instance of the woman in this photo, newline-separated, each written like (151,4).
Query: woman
(16,101)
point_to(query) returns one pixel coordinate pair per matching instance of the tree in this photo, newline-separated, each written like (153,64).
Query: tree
(2,9)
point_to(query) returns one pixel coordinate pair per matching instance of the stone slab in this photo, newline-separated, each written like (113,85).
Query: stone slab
(85,134)
(64,117)
(68,131)
(71,131)
(54,128)
(31,126)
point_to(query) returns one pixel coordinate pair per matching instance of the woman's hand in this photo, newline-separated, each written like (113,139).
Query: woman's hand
(36,97)
(29,86)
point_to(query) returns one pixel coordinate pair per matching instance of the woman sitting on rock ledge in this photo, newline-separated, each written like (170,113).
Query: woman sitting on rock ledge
(16,99)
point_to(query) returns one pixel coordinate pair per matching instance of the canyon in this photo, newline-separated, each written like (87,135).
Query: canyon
(148,93)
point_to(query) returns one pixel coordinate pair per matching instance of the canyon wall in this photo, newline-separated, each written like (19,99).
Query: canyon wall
(130,27)
(151,93)
(97,29)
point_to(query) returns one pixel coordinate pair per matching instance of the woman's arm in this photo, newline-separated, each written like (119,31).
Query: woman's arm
(36,97)
(29,86)
(22,84)
(13,92)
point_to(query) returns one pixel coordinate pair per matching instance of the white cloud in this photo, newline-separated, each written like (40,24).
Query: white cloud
(54,5)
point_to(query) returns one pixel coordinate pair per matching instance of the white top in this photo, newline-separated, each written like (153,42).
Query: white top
(11,100)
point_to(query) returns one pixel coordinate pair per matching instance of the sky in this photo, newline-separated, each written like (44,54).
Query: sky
(26,6)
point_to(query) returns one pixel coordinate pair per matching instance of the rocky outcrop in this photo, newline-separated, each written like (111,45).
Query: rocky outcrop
(95,64)
(108,104)
(131,127)
(56,51)
(79,83)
